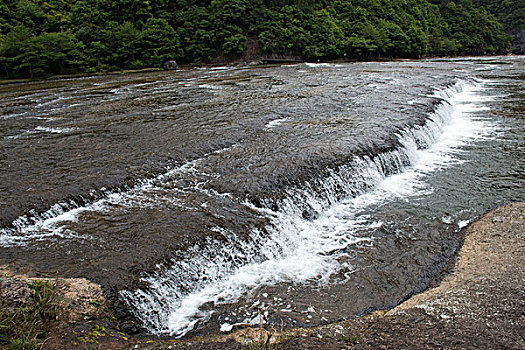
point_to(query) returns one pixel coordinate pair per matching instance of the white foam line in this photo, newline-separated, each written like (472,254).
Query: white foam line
(12,115)
(300,250)
(54,130)
(275,123)
(51,222)
(209,87)
(316,65)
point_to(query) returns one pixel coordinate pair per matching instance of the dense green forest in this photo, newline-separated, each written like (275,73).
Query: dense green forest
(511,13)
(44,37)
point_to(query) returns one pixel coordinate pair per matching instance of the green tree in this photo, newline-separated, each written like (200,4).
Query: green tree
(23,55)
(128,41)
(102,35)
(28,14)
(160,42)
(234,45)
(325,39)
(13,52)
(197,36)
(56,53)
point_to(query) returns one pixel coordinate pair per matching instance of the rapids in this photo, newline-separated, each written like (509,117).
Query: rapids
(293,195)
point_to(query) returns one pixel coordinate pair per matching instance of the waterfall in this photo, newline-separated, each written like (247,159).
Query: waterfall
(310,230)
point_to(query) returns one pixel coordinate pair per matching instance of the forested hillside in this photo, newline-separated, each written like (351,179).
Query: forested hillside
(43,37)
(511,13)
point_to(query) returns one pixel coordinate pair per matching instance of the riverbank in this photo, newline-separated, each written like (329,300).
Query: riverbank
(479,303)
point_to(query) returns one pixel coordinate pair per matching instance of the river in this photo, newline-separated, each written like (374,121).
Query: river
(293,195)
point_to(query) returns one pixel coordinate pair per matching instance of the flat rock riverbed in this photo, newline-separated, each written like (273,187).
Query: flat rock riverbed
(291,196)
(479,304)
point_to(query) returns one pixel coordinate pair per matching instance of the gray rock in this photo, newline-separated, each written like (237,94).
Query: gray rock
(15,293)
(170,65)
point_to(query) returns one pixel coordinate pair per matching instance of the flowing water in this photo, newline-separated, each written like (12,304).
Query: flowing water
(293,195)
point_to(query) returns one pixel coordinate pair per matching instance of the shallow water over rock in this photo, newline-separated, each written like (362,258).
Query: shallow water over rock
(294,195)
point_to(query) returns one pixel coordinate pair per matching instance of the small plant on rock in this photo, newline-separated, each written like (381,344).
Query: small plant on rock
(25,327)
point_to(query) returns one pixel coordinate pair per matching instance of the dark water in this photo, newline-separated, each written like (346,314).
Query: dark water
(296,194)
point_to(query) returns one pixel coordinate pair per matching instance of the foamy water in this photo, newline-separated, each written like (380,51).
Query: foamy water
(299,250)
(211,275)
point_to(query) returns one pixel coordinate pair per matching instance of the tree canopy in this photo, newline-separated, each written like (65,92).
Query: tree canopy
(43,37)
(511,14)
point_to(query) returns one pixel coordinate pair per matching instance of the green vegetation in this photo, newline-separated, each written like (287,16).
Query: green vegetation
(510,13)
(26,327)
(97,332)
(45,37)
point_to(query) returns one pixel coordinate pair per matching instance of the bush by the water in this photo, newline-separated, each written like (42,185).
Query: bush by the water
(39,38)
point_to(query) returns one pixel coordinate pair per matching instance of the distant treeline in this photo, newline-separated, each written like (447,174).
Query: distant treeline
(511,13)
(44,37)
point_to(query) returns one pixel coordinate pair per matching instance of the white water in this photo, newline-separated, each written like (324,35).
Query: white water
(220,273)
(54,130)
(306,251)
(275,123)
(53,222)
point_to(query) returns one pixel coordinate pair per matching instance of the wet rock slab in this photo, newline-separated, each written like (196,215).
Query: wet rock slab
(479,305)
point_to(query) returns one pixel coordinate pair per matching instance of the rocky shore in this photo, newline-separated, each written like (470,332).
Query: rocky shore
(479,303)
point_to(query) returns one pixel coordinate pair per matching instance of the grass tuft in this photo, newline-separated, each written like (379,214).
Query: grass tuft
(26,327)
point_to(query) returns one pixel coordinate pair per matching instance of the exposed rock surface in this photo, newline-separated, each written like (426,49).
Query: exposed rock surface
(170,65)
(479,305)
(14,293)
(482,303)
(79,298)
